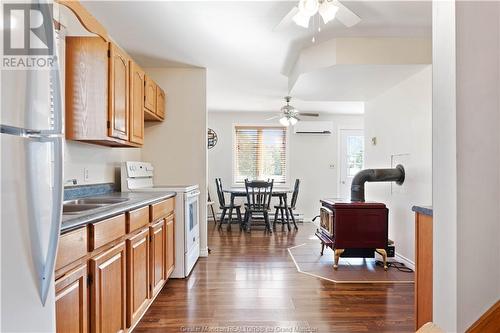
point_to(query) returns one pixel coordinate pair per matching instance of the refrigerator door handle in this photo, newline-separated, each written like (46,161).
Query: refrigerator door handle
(55,222)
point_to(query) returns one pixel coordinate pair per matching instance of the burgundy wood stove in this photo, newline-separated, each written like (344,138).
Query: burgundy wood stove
(355,228)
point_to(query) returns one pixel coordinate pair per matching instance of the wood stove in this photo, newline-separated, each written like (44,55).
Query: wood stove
(353,229)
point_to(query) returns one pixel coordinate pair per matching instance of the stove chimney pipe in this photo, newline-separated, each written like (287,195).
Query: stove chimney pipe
(375,175)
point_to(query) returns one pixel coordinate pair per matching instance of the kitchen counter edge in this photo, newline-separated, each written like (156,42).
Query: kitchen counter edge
(136,200)
(426,210)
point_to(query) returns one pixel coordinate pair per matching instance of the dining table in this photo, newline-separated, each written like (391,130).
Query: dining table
(280,192)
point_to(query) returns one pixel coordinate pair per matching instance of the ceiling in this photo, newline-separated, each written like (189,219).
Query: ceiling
(247,61)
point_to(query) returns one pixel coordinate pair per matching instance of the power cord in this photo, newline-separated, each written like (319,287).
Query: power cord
(394,264)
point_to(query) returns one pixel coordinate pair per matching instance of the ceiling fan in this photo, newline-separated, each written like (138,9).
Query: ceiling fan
(289,114)
(328,10)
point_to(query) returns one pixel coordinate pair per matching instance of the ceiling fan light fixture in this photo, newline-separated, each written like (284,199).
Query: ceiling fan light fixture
(308,7)
(293,121)
(284,121)
(328,11)
(301,19)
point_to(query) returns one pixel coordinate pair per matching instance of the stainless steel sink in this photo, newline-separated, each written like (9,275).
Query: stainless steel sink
(78,206)
(96,201)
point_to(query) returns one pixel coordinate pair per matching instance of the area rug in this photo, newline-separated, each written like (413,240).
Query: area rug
(308,260)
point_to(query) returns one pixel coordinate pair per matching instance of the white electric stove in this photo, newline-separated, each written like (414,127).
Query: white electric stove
(139,177)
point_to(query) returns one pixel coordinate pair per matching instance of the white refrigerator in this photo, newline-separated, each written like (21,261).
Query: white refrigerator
(31,181)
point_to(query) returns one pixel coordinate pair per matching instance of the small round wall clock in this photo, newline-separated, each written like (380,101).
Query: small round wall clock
(212,138)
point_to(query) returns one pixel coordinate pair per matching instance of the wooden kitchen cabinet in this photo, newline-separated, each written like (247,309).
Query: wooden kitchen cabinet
(71,301)
(160,102)
(118,93)
(157,256)
(137,275)
(97,92)
(170,248)
(137,80)
(107,290)
(150,95)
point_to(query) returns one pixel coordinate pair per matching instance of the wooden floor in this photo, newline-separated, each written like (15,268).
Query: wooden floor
(250,284)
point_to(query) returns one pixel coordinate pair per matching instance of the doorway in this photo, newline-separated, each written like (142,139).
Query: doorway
(352,156)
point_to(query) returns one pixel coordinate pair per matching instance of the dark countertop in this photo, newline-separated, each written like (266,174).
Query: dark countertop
(426,210)
(136,200)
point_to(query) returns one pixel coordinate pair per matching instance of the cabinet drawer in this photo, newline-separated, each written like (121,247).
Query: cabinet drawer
(106,231)
(162,209)
(137,218)
(72,246)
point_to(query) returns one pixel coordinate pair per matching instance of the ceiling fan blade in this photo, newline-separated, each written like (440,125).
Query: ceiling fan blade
(272,118)
(309,114)
(287,19)
(345,15)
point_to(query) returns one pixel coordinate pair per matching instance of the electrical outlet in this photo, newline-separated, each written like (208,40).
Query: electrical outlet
(332,166)
(86,175)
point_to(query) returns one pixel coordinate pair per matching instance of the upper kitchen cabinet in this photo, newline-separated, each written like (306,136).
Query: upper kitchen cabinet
(137,82)
(107,95)
(154,101)
(97,92)
(118,126)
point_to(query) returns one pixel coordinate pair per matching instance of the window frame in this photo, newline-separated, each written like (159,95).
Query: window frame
(287,152)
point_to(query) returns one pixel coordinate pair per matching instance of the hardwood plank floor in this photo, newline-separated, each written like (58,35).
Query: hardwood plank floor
(250,284)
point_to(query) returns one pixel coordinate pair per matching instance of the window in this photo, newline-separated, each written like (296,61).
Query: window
(355,147)
(259,153)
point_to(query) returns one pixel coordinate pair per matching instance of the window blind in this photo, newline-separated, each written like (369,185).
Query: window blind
(260,154)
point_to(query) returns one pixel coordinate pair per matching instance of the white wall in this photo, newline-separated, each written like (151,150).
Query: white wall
(177,147)
(401,121)
(310,156)
(478,158)
(102,163)
(466,189)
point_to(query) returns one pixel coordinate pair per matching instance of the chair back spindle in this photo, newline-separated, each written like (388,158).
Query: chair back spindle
(295,193)
(220,193)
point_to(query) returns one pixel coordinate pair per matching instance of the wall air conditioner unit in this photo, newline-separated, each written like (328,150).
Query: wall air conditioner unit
(313,127)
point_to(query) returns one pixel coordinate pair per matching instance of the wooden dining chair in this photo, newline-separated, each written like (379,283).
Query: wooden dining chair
(259,195)
(224,207)
(281,208)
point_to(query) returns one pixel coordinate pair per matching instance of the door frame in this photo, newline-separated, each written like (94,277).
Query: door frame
(339,152)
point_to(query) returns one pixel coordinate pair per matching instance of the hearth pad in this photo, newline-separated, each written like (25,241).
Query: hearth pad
(308,260)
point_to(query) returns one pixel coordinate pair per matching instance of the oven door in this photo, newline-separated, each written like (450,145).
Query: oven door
(191,219)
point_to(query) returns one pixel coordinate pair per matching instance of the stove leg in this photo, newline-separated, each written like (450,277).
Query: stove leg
(383,253)
(338,253)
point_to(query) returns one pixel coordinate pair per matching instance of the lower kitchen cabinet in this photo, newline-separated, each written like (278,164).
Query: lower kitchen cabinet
(157,256)
(137,275)
(170,249)
(71,301)
(107,291)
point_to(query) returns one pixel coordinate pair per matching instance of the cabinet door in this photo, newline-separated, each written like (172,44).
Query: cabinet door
(150,95)
(71,301)
(136,104)
(118,93)
(137,275)
(157,256)
(107,291)
(160,102)
(170,255)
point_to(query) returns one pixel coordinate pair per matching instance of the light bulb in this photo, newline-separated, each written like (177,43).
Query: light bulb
(313,39)
(301,20)
(293,121)
(284,121)
(328,11)
(308,7)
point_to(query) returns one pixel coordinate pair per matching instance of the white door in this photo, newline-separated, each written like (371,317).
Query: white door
(352,149)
